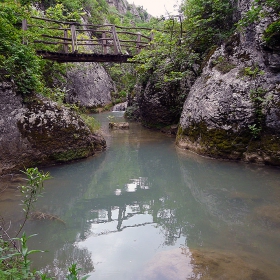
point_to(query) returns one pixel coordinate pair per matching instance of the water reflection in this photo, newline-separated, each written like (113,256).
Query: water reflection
(146,210)
(123,206)
(65,257)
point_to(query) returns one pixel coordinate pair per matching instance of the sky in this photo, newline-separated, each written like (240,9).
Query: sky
(157,7)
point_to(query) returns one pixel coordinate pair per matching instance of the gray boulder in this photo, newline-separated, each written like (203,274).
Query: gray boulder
(89,85)
(39,132)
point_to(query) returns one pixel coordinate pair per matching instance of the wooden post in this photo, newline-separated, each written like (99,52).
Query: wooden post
(152,36)
(104,42)
(74,38)
(65,45)
(24,28)
(115,40)
(138,44)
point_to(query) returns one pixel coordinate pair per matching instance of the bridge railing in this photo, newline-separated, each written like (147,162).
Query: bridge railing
(73,37)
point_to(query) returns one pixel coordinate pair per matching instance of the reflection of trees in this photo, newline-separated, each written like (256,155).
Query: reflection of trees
(65,257)
(99,210)
(168,212)
(171,226)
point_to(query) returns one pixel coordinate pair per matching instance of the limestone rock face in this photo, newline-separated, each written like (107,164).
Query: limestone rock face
(232,110)
(40,133)
(123,7)
(89,85)
(160,106)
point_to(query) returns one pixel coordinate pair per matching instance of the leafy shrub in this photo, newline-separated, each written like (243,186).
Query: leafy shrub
(272,34)
(223,65)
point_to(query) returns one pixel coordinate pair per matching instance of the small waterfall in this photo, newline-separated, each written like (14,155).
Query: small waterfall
(120,107)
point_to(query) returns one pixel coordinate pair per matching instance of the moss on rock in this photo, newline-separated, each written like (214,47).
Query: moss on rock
(70,154)
(227,144)
(57,134)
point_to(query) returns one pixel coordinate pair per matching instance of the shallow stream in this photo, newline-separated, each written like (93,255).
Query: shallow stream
(144,209)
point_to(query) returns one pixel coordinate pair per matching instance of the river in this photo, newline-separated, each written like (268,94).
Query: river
(144,209)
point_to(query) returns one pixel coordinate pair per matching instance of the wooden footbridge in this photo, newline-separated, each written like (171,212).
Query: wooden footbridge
(74,42)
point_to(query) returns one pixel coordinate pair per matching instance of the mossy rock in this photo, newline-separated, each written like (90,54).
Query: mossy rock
(57,134)
(70,155)
(228,144)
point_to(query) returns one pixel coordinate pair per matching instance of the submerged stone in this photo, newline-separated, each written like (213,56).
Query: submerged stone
(120,125)
(269,215)
(203,264)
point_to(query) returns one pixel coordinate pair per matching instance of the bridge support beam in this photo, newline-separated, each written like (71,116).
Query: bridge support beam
(74,38)
(24,28)
(65,45)
(117,48)
(138,44)
(104,43)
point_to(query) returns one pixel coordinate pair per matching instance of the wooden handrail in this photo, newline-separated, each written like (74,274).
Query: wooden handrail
(56,37)
(109,36)
(45,27)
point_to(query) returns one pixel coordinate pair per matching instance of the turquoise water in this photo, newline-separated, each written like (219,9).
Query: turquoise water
(145,209)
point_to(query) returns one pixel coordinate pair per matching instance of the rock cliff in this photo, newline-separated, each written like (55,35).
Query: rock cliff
(89,85)
(123,7)
(39,132)
(157,103)
(232,110)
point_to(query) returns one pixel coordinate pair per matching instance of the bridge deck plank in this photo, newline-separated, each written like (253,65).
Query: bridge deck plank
(84,57)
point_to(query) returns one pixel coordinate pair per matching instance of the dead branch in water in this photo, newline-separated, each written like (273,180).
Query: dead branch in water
(44,216)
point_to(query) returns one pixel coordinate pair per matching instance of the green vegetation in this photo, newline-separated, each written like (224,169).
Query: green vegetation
(223,65)
(260,102)
(18,62)
(189,39)
(272,34)
(205,24)
(74,273)
(257,96)
(252,72)
(33,190)
(257,12)
(14,260)
(15,263)
(186,41)
(176,56)
(91,122)
(124,76)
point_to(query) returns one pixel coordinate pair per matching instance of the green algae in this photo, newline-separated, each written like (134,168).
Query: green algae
(71,154)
